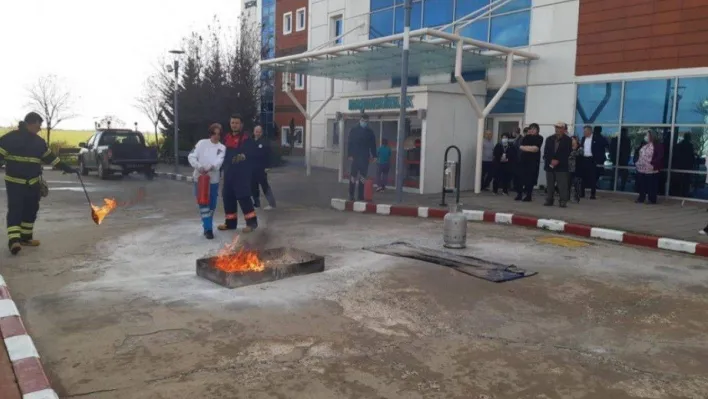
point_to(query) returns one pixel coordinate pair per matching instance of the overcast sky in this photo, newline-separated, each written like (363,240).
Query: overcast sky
(102,50)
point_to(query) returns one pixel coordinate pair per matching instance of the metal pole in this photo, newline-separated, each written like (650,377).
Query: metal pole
(403,101)
(176,123)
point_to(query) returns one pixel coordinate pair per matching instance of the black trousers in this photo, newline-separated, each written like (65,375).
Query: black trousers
(358,173)
(22,208)
(260,181)
(528,176)
(487,173)
(502,177)
(589,171)
(647,186)
(231,205)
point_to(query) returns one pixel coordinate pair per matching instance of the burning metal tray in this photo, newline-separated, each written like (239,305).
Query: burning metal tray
(279,263)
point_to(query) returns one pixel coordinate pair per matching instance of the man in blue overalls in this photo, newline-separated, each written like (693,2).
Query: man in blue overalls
(237,178)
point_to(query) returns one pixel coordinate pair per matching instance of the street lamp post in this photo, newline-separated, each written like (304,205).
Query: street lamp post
(176,53)
(404,95)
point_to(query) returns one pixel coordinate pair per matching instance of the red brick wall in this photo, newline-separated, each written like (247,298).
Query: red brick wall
(293,43)
(641,35)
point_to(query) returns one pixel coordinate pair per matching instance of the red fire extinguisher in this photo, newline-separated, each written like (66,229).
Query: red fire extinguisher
(203,185)
(368,190)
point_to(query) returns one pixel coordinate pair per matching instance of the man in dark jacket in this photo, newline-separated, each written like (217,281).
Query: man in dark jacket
(24,152)
(594,146)
(529,161)
(555,156)
(237,178)
(361,149)
(260,164)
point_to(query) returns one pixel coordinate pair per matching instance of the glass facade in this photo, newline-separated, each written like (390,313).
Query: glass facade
(267,77)
(508,26)
(675,108)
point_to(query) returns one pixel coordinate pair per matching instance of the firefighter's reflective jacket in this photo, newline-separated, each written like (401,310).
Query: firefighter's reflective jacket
(24,153)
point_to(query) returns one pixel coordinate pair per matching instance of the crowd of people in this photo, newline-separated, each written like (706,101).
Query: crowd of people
(242,161)
(572,165)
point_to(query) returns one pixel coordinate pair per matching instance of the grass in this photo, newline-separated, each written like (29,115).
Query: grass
(72,138)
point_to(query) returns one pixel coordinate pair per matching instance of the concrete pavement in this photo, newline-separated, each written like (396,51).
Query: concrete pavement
(116,311)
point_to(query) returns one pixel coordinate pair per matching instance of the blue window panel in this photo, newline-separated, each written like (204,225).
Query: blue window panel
(598,103)
(477,30)
(338,30)
(647,102)
(470,76)
(511,30)
(692,107)
(379,4)
(381,23)
(465,7)
(513,101)
(437,12)
(412,81)
(514,5)
(416,14)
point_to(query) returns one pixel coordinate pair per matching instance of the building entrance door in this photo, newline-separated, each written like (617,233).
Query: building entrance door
(505,124)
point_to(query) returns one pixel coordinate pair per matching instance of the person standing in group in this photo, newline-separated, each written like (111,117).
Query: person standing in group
(361,149)
(260,163)
(529,163)
(237,178)
(555,155)
(24,151)
(504,161)
(650,159)
(206,158)
(576,182)
(516,142)
(620,152)
(487,160)
(383,165)
(594,145)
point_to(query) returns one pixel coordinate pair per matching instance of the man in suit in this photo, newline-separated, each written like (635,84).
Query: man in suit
(555,156)
(594,146)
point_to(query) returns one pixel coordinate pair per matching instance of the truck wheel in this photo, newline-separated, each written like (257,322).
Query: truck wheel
(101,171)
(82,168)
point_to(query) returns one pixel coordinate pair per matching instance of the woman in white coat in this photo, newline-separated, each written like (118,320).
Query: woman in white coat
(207,158)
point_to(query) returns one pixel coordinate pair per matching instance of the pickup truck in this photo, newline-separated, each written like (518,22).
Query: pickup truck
(121,151)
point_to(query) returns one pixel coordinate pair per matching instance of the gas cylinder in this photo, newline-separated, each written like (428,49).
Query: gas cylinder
(368,190)
(203,185)
(455,228)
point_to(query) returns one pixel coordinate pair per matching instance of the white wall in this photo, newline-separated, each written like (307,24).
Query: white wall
(450,121)
(354,12)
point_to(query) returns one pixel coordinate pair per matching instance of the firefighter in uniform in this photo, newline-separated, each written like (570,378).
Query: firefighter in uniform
(24,152)
(361,148)
(237,178)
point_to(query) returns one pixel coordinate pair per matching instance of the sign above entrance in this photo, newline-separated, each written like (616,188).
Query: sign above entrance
(378,103)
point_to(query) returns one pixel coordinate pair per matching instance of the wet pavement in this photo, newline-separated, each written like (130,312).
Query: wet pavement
(117,311)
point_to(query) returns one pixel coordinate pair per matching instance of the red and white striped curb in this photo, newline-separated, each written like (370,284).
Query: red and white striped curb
(668,244)
(29,372)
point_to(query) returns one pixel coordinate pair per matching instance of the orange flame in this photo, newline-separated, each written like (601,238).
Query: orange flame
(100,212)
(231,260)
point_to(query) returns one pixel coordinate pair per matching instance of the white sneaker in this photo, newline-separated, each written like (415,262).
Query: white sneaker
(267,208)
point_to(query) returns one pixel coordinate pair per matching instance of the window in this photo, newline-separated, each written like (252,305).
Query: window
(647,102)
(412,81)
(298,137)
(299,81)
(598,103)
(285,136)
(287,23)
(332,134)
(301,19)
(511,30)
(381,23)
(416,14)
(513,101)
(477,30)
(437,12)
(284,81)
(337,29)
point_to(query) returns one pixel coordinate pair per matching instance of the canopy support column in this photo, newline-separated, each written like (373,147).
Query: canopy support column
(482,113)
(308,119)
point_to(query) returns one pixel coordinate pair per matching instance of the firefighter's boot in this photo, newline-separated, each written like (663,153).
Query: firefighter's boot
(29,243)
(15,248)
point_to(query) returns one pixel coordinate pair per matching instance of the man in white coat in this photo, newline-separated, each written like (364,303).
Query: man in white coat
(207,158)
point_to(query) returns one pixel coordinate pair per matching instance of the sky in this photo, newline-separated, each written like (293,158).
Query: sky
(101,50)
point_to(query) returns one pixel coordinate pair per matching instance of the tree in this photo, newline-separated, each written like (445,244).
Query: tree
(49,99)
(151,103)
(111,122)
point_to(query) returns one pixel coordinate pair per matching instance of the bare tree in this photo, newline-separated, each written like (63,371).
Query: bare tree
(151,103)
(111,121)
(49,99)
